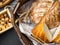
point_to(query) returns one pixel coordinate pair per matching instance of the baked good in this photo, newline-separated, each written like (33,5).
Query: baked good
(40,7)
(42,31)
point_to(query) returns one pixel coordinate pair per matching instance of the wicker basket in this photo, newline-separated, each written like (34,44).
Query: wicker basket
(23,38)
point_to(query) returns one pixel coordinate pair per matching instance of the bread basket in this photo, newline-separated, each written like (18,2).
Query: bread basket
(25,36)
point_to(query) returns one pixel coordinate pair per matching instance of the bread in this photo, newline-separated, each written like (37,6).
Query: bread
(40,8)
(41,29)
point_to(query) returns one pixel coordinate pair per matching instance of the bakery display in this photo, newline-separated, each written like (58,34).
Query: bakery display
(5,20)
(4,3)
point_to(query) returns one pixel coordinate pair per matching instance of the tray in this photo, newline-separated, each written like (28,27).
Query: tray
(6,11)
(10,7)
